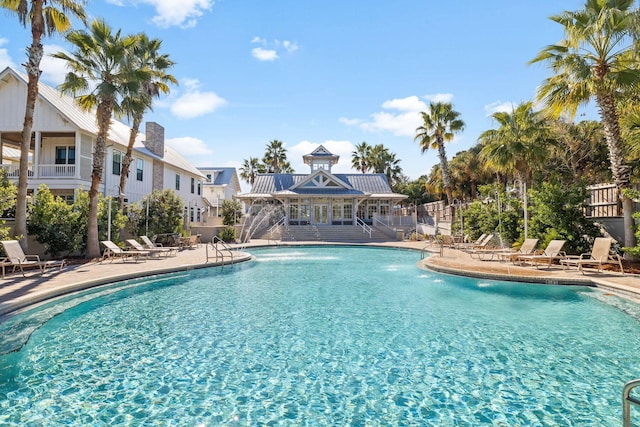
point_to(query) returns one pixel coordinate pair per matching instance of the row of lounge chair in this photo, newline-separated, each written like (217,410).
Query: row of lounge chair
(600,253)
(135,250)
(16,259)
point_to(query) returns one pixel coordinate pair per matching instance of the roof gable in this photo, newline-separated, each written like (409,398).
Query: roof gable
(321,179)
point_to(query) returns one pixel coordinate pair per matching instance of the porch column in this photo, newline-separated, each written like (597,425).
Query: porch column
(78,142)
(36,155)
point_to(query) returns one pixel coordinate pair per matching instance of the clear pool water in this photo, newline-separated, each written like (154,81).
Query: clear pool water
(327,336)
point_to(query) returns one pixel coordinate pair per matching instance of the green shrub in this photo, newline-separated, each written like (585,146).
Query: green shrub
(228,234)
(55,223)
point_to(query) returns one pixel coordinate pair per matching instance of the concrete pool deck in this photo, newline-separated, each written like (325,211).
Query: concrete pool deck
(17,292)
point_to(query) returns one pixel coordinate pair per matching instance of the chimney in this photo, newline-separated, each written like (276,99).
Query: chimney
(155,139)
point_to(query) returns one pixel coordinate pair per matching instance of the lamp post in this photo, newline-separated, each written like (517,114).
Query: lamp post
(523,193)
(459,203)
(110,200)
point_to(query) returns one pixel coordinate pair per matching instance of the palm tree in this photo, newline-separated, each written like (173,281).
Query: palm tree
(440,124)
(593,62)
(519,145)
(46,17)
(381,160)
(99,78)
(360,157)
(467,170)
(275,157)
(250,168)
(152,67)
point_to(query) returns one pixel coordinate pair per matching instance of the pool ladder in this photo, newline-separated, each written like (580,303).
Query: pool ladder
(627,399)
(218,252)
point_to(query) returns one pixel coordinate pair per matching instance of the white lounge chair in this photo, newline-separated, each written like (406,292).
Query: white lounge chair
(16,258)
(148,244)
(155,250)
(113,251)
(527,248)
(552,252)
(600,254)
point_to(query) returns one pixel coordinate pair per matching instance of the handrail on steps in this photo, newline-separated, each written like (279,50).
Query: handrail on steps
(218,252)
(364,226)
(627,399)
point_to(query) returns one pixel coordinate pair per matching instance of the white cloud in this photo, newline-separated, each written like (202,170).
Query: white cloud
(410,103)
(169,13)
(349,122)
(264,54)
(401,120)
(403,124)
(498,106)
(290,46)
(53,69)
(193,149)
(439,97)
(5,59)
(340,148)
(270,50)
(194,103)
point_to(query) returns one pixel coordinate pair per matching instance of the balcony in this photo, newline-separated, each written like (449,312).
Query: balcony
(44,171)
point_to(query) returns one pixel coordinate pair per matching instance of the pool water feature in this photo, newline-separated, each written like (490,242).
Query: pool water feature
(327,336)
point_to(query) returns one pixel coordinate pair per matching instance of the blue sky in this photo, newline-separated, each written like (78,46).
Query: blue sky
(332,72)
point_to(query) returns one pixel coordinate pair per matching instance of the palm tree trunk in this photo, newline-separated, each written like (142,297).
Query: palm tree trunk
(619,168)
(33,71)
(126,162)
(104,119)
(444,166)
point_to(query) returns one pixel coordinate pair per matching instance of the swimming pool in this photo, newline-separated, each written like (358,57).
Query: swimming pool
(327,336)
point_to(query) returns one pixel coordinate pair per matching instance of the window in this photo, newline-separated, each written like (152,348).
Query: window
(61,155)
(193,185)
(209,177)
(139,169)
(65,155)
(117,162)
(199,188)
(177,182)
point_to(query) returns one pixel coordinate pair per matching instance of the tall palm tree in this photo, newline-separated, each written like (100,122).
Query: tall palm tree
(250,168)
(360,157)
(100,77)
(152,67)
(275,157)
(592,62)
(520,143)
(47,17)
(440,124)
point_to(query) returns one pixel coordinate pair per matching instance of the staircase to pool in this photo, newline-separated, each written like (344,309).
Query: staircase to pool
(324,233)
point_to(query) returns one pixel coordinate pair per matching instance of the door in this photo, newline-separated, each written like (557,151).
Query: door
(321,214)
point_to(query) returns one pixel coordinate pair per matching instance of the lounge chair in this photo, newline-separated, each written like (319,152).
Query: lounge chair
(113,251)
(527,248)
(149,245)
(552,252)
(133,243)
(479,246)
(478,241)
(600,254)
(16,258)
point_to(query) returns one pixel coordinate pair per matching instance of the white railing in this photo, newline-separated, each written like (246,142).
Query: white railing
(56,171)
(364,226)
(45,171)
(13,170)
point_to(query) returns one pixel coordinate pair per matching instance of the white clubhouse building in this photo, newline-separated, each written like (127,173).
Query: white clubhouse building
(322,198)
